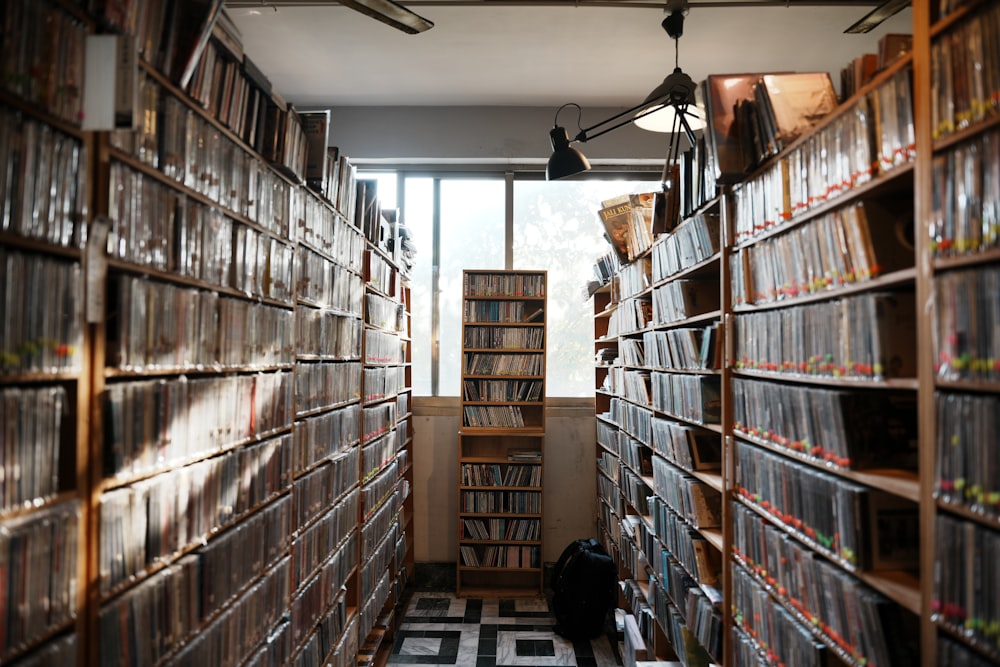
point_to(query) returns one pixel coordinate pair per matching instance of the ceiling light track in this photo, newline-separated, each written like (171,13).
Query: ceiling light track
(387,11)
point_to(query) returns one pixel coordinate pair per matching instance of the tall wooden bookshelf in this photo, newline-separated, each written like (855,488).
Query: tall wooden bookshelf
(502,436)
(45,397)
(960,515)
(184,355)
(857,388)
(659,435)
(387,508)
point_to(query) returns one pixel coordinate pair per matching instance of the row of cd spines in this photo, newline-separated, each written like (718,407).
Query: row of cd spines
(673,581)
(687,447)
(685,348)
(156,325)
(693,398)
(689,244)
(849,245)
(154,425)
(45,545)
(789,598)
(313,573)
(163,326)
(843,155)
(192,152)
(181,236)
(512,556)
(504,284)
(867,336)
(44,182)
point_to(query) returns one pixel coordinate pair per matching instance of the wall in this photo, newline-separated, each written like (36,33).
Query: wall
(480,134)
(569,498)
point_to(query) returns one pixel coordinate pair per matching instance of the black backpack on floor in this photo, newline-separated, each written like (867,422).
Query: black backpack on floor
(583,586)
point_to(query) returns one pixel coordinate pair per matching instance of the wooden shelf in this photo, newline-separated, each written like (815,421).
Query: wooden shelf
(494,445)
(908,384)
(903,483)
(898,180)
(705,267)
(897,279)
(967,260)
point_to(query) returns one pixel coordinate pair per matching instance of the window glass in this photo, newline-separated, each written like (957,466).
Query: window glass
(418,207)
(472,237)
(557,228)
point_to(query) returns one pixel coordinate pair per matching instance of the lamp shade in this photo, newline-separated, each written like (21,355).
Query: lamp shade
(660,118)
(565,160)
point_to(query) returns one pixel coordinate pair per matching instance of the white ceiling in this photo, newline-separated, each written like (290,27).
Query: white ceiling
(490,55)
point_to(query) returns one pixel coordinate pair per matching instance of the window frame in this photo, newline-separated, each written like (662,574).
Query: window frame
(509,174)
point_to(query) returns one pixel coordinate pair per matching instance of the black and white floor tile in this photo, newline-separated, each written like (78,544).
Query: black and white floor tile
(440,629)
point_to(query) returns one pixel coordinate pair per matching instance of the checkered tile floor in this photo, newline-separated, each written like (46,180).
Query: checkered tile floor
(440,629)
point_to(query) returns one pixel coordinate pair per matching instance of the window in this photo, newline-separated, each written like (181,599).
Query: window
(463,222)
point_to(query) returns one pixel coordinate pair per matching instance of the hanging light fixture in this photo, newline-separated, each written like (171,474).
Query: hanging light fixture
(677,88)
(674,98)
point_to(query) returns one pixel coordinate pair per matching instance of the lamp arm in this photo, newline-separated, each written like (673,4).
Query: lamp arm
(673,149)
(583,136)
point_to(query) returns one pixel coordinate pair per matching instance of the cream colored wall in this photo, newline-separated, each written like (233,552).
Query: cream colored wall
(570,498)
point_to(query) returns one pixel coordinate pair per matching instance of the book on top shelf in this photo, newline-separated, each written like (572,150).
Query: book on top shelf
(668,209)
(797,100)
(628,223)
(752,117)
(316,126)
(191,25)
(723,93)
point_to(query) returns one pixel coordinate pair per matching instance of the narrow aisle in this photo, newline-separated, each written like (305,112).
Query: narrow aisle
(440,629)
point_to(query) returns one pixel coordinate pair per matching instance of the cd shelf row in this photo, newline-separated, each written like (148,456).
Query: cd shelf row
(160,326)
(312,546)
(382,382)
(142,524)
(327,335)
(851,244)
(40,334)
(862,336)
(841,156)
(124,633)
(326,384)
(325,284)
(42,183)
(512,284)
(504,338)
(321,436)
(382,347)
(154,424)
(323,486)
(802,579)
